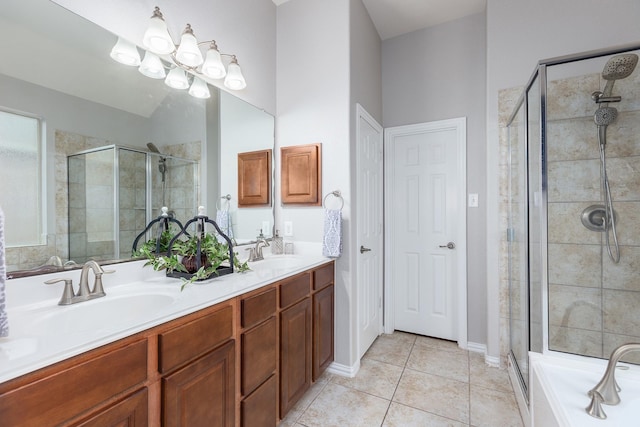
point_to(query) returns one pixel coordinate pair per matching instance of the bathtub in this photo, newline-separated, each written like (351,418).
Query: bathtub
(559,387)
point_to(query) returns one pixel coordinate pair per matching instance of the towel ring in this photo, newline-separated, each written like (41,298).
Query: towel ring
(335,193)
(219,203)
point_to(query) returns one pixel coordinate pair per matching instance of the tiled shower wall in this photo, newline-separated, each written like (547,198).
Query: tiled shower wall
(594,304)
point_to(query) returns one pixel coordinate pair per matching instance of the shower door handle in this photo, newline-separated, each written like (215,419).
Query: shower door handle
(449,245)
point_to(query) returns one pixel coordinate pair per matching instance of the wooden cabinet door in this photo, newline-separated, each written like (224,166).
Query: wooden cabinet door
(202,394)
(295,354)
(322,330)
(130,412)
(259,409)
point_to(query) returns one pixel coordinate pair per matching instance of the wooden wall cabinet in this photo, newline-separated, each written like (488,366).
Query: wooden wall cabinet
(254,178)
(301,174)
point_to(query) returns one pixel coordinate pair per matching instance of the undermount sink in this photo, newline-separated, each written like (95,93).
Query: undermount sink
(276,262)
(116,308)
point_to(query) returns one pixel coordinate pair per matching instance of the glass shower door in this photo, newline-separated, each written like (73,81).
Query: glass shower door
(518,246)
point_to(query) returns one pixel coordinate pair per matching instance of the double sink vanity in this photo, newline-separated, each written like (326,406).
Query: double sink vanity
(238,350)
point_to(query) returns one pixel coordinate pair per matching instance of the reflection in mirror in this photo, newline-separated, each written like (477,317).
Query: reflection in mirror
(61,73)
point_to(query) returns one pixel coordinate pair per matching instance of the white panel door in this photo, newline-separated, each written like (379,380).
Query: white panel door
(425,228)
(370,209)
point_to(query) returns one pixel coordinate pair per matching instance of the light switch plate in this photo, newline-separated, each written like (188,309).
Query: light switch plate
(473,200)
(288,228)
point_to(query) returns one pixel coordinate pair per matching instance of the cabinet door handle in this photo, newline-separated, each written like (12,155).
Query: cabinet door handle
(363,249)
(449,245)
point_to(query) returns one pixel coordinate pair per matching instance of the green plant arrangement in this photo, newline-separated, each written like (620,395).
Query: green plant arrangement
(182,263)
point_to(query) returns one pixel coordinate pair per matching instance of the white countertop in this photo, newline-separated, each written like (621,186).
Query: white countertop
(42,333)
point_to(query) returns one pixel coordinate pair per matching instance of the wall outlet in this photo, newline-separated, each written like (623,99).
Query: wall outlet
(288,228)
(266,228)
(473,200)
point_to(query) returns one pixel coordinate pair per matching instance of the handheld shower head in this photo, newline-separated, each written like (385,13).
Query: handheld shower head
(152,147)
(604,116)
(618,67)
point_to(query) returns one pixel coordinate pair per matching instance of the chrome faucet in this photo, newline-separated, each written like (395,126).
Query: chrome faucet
(255,253)
(606,391)
(98,290)
(84,294)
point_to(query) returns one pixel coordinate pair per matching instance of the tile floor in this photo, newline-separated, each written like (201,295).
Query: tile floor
(409,380)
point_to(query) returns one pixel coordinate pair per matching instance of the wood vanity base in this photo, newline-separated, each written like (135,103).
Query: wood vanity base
(242,362)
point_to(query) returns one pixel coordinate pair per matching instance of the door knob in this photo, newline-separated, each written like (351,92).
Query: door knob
(363,249)
(449,245)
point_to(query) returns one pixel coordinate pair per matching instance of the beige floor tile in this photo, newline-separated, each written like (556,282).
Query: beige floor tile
(483,375)
(393,349)
(491,408)
(437,343)
(434,360)
(339,406)
(432,393)
(376,378)
(296,412)
(405,416)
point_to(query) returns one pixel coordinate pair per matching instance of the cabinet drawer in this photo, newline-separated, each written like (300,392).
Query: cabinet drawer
(259,409)
(258,355)
(184,343)
(130,412)
(294,289)
(69,392)
(323,276)
(257,308)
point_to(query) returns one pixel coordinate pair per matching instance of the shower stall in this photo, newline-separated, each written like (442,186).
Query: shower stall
(114,191)
(571,210)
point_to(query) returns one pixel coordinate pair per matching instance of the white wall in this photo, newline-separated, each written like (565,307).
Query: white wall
(519,34)
(439,73)
(313,106)
(245,28)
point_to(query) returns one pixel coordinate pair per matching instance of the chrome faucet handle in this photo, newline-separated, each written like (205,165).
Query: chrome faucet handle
(98,289)
(595,407)
(252,254)
(67,293)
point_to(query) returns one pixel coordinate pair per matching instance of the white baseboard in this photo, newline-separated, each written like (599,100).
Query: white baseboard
(482,349)
(477,348)
(344,370)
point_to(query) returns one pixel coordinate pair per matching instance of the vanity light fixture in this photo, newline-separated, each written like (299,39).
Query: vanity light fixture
(162,54)
(125,53)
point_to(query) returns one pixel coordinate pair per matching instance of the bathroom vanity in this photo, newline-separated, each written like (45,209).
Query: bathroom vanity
(237,351)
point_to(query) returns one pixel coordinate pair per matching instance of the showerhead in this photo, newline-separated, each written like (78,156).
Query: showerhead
(152,147)
(618,67)
(604,116)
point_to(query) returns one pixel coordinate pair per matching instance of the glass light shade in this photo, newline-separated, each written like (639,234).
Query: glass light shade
(235,79)
(151,66)
(177,79)
(188,52)
(213,66)
(157,38)
(199,89)
(125,53)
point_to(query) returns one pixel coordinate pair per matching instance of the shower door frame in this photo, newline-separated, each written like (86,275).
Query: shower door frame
(540,72)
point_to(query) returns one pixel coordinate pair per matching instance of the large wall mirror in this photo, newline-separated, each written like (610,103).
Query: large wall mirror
(90,150)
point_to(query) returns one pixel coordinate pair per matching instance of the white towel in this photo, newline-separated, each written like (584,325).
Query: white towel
(223,219)
(4,321)
(332,239)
